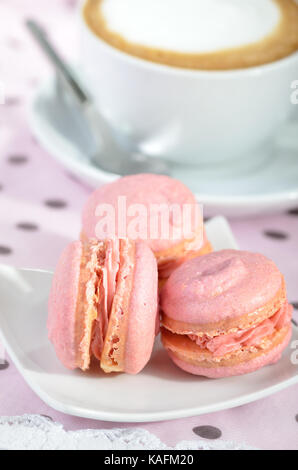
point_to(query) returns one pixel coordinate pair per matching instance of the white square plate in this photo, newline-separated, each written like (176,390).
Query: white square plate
(160,392)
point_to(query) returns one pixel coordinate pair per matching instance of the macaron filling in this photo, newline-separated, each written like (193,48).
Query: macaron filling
(113,353)
(88,300)
(223,344)
(98,278)
(107,269)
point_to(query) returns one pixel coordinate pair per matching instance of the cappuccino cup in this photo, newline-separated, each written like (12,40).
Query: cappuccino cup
(200,82)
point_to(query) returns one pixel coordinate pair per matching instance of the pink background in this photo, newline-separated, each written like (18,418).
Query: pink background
(40,207)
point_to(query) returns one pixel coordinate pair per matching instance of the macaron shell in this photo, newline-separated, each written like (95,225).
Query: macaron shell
(267,358)
(145,189)
(63,303)
(220,285)
(143,314)
(229,324)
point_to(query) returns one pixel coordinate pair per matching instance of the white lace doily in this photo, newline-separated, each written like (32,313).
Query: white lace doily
(35,432)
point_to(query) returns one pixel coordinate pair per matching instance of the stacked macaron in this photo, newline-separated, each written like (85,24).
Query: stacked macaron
(103,304)
(225,314)
(161,204)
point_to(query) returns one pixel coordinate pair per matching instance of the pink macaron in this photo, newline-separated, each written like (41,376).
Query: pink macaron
(157,209)
(103,304)
(225,313)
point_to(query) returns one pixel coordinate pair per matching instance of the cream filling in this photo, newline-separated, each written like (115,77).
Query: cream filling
(257,336)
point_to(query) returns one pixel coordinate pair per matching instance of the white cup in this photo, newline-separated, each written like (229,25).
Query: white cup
(198,117)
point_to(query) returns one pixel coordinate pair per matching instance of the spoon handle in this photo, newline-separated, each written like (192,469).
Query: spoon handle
(58,63)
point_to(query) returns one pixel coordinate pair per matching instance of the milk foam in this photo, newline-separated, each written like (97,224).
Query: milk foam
(191,26)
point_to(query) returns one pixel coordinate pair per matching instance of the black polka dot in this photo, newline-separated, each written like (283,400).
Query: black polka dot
(296,417)
(75,179)
(1,187)
(207,432)
(206,219)
(55,203)
(12,101)
(28,226)
(17,159)
(72,177)
(293,211)
(4,365)
(275,234)
(294,322)
(5,250)
(295,305)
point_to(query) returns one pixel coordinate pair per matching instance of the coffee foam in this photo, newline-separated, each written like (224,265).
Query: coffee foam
(191,26)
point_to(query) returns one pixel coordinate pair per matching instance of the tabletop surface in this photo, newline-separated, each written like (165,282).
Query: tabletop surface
(40,206)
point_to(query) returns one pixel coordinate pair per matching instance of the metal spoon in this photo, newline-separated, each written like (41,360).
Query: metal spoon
(107,154)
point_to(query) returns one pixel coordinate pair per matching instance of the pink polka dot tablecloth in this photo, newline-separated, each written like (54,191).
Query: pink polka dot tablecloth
(40,206)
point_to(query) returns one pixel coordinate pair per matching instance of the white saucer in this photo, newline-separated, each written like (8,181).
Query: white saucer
(160,392)
(269,186)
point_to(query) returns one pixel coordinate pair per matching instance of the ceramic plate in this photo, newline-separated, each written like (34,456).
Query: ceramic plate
(259,186)
(160,392)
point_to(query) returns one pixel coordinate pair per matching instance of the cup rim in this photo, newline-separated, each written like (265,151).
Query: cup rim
(190,73)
